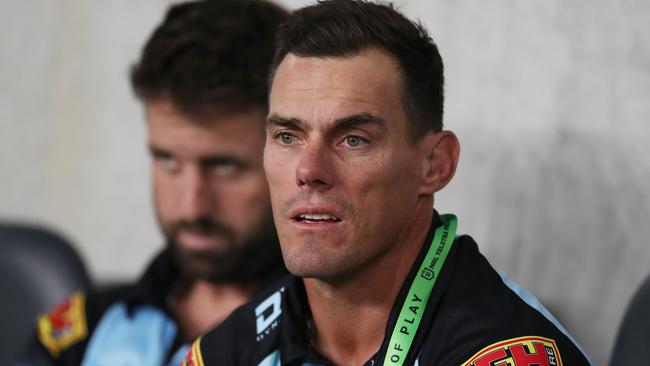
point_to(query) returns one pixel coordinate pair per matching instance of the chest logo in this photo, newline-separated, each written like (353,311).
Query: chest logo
(522,351)
(267,313)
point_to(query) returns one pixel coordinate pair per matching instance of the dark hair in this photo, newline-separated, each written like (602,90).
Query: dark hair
(210,54)
(344,28)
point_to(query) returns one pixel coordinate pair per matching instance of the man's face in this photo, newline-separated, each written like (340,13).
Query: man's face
(343,176)
(211,194)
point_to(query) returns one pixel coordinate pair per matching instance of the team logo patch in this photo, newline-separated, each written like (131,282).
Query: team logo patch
(64,326)
(522,351)
(194,357)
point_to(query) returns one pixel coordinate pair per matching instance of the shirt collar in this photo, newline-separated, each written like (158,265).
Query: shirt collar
(156,283)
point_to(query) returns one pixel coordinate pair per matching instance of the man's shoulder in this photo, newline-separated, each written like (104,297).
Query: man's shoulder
(487,318)
(62,334)
(250,334)
(64,331)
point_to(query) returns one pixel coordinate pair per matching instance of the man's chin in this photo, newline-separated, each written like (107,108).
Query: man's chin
(202,265)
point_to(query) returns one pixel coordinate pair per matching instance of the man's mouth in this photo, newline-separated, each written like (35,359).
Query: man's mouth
(197,238)
(201,239)
(316,218)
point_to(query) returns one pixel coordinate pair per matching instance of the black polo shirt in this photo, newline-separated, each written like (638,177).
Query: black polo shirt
(474,317)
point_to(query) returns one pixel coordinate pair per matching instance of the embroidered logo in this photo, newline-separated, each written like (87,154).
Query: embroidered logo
(522,351)
(64,326)
(267,313)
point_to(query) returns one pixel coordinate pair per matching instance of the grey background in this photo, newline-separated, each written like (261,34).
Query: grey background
(549,99)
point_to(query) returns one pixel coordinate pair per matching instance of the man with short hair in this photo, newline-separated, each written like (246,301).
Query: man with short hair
(203,80)
(355,151)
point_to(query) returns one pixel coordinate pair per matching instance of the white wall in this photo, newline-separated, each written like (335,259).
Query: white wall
(549,98)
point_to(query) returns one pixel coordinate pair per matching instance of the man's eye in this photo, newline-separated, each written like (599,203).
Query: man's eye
(355,141)
(286,138)
(226,168)
(167,161)
(223,166)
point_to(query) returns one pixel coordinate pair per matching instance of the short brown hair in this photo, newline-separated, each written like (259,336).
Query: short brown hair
(344,28)
(208,54)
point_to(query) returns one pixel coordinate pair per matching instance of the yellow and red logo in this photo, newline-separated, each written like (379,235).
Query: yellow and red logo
(194,357)
(64,326)
(522,351)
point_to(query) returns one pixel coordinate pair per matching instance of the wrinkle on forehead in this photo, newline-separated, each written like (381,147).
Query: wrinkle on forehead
(328,88)
(369,66)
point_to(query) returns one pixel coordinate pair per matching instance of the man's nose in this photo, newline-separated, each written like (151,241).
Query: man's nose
(315,167)
(195,190)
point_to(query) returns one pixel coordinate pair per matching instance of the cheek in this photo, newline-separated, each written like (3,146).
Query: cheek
(245,200)
(402,188)
(375,175)
(385,181)
(164,193)
(278,169)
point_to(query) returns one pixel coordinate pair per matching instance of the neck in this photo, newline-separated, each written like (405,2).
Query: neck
(203,305)
(350,316)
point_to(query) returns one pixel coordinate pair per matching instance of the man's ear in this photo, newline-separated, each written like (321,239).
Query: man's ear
(441,152)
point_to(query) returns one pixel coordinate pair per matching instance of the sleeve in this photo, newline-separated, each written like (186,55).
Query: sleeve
(527,350)
(60,335)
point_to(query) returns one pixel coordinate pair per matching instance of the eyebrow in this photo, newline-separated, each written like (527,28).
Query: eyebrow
(155,150)
(342,123)
(291,123)
(359,119)
(215,158)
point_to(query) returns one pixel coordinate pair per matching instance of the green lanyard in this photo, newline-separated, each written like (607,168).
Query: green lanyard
(418,296)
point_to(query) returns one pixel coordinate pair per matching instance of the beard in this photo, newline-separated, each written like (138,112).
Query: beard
(247,257)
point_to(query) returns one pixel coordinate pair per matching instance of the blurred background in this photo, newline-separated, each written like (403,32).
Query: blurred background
(549,98)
